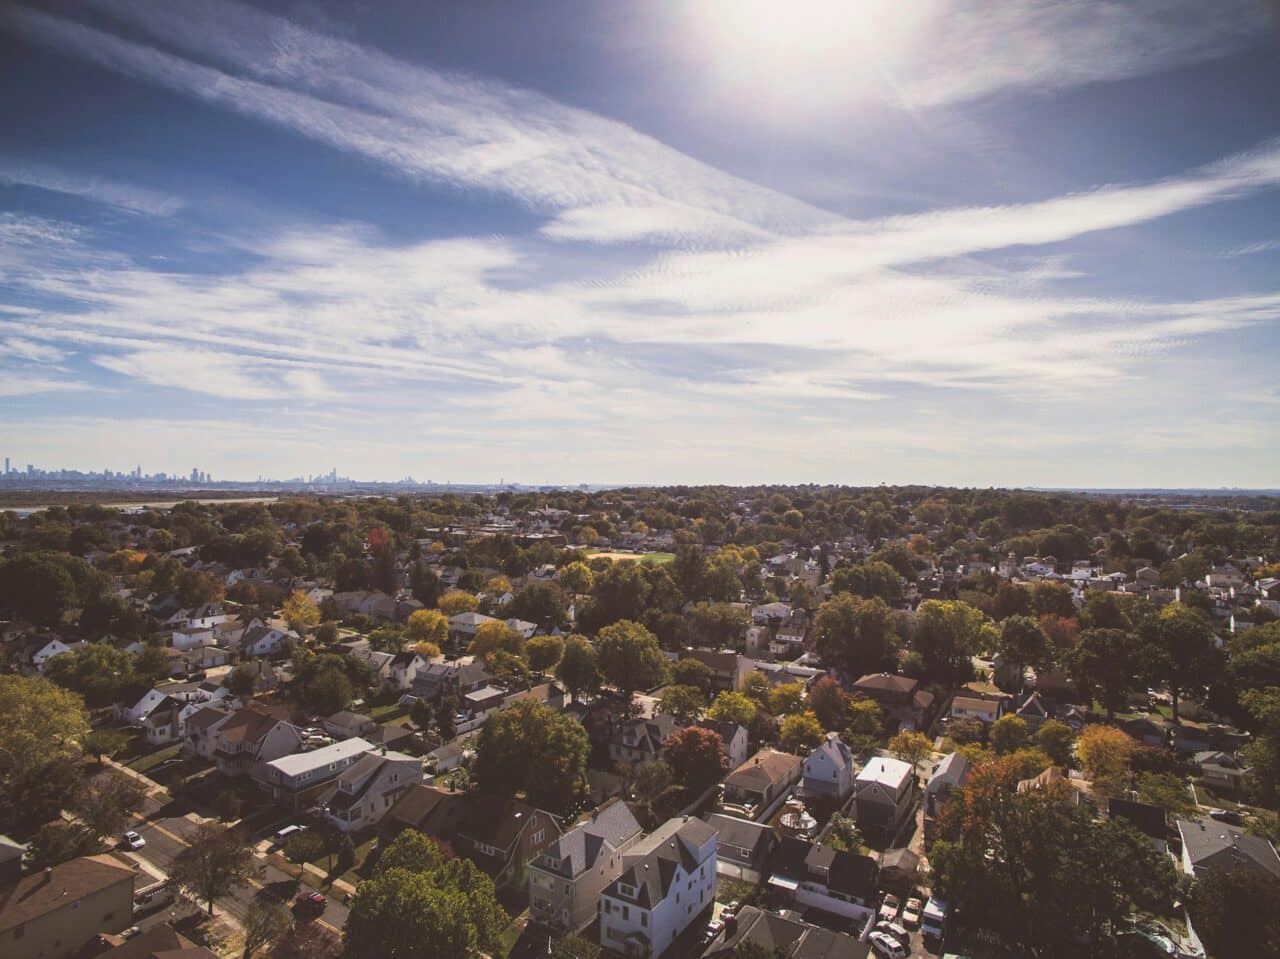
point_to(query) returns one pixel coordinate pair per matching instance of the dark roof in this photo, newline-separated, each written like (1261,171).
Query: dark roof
(610,827)
(495,820)
(44,892)
(740,832)
(430,809)
(1147,819)
(247,726)
(799,940)
(887,682)
(1215,845)
(652,866)
(648,735)
(158,942)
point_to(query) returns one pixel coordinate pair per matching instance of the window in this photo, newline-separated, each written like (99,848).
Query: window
(19,931)
(644,919)
(626,912)
(537,836)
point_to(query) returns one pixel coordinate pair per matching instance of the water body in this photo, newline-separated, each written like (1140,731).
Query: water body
(25,511)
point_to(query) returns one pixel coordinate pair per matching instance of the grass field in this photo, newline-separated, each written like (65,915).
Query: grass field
(659,558)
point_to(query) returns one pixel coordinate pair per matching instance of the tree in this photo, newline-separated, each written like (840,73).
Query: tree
(1056,739)
(786,698)
(1168,791)
(801,732)
(302,848)
(423,906)
(682,703)
(456,601)
(576,577)
(1104,752)
(300,612)
(1011,599)
(1104,665)
(630,657)
(732,707)
(692,672)
(652,780)
(544,652)
(99,672)
(855,636)
(574,947)
(105,802)
(871,580)
(756,687)
(38,586)
(843,834)
(578,669)
(42,731)
(427,626)
(496,636)
(531,747)
(59,842)
(328,692)
(829,703)
(216,860)
(696,757)
(264,923)
(1023,643)
(948,632)
(1236,913)
(307,940)
(866,726)
(911,747)
(718,625)
(1263,754)
(1181,649)
(1008,733)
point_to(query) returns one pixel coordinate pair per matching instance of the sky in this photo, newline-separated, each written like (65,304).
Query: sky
(1006,243)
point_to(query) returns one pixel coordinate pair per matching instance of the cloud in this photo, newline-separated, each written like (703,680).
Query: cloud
(432,125)
(134,199)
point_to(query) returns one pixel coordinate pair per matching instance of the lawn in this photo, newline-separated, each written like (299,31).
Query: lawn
(511,935)
(149,761)
(385,714)
(659,558)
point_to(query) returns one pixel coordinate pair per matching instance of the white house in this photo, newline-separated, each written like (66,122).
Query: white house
(54,647)
(884,795)
(969,707)
(265,641)
(366,789)
(828,771)
(668,881)
(734,740)
(290,776)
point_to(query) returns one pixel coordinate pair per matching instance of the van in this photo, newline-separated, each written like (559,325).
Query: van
(287,831)
(934,919)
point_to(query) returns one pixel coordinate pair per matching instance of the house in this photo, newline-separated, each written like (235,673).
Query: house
(1209,844)
(950,773)
(348,725)
(905,705)
(743,848)
(265,641)
(568,876)
(525,628)
(668,881)
(1146,731)
(160,727)
(1053,782)
(820,877)
(428,809)
(635,742)
(1188,740)
(250,738)
(404,669)
(455,678)
(884,794)
(157,942)
(771,614)
(368,788)
(787,936)
(828,770)
(33,659)
(728,669)
(11,854)
(779,673)
(734,739)
(198,739)
(754,788)
(463,626)
(379,663)
(1146,819)
(1221,770)
(503,835)
(971,707)
(1033,712)
(899,870)
(61,910)
(300,776)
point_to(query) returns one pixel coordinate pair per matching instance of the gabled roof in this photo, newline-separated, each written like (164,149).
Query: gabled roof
(44,892)
(653,863)
(766,767)
(610,827)
(952,770)
(887,682)
(741,833)
(247,726)
(1215,845)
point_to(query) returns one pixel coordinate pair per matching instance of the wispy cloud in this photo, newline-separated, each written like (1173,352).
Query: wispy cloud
(125,196)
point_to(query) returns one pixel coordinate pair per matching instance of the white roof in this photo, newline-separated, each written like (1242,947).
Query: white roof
(302,762)
(887,772)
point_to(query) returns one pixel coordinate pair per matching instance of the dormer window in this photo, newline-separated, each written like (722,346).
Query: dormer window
(628,891)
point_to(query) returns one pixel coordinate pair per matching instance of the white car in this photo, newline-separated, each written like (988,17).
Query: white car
(886,945)
(911,912)
(133,841)
(895,930)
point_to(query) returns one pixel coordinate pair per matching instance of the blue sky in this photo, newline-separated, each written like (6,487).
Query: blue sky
(1021,242)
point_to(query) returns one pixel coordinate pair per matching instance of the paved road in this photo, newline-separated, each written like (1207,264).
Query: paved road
(166,836)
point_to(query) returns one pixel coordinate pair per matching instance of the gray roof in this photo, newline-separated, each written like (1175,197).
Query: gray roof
(740,833)
(576,851)
(298,763)
(1210,844)
(652,864)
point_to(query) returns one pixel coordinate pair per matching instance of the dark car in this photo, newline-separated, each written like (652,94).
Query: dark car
(310,904)
(1228,816)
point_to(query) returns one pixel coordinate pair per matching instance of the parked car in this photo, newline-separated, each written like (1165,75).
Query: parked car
(911,912)
(886,945)
(895,930)
(131,840)
(153,897)
(1228,816)
(310,904)
(713,929)
(730,910)
(283,834)
(889,908)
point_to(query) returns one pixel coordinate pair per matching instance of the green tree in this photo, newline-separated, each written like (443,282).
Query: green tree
(214,862)
(105,802)
(829,703)
(456,601)
(302,848)
(578,669)
(871,580)
(732,707)
(865,728)
(1008,734)
(855,636)
(718,625)
(948,633)
(911,747)
(1180,645)
(42,731)
(427,626)
(683,703)
(843,834)
(692,672)
(58,842)
(574,947)
(576,577)
(544,652)
(1056,739)
(106,742)
(264,923)
(756,687)
(1023,643)
(1236,913)
(531,747)
(800,733)
(1105,665)
(629,657)
(99,672)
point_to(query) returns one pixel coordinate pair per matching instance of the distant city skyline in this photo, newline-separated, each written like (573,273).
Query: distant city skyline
(1016,243)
